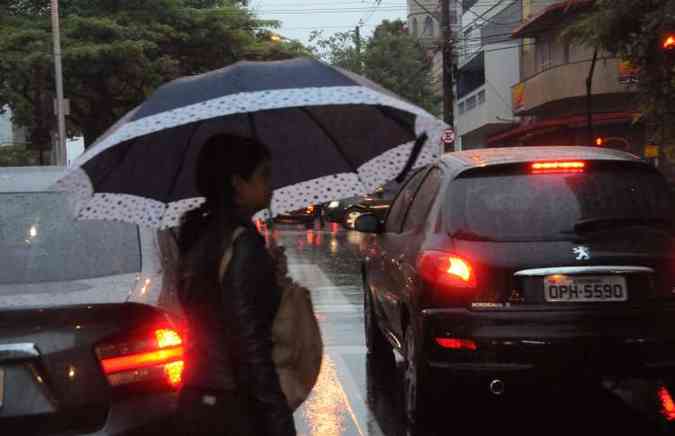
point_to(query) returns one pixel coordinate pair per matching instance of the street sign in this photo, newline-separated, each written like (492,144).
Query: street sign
(448,137)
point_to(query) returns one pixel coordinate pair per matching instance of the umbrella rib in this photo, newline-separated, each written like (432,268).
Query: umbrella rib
(254,129)
(397,120)
(174,182)
(332,139)
(414,154)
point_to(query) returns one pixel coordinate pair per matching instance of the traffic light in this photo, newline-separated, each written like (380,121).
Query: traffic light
(668,42)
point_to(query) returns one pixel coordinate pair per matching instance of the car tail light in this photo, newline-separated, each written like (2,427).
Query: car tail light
(446,270)
(558,167)
(457,344)
(667,404)
(154,356)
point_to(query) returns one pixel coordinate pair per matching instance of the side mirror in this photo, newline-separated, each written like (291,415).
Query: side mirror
(367,223)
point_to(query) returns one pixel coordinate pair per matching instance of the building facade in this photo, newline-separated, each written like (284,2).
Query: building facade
(424,23)
(10,134)
(550,98)
(488,65)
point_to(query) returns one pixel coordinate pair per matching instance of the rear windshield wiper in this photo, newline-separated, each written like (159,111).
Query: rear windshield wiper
(591,224)
(467,235)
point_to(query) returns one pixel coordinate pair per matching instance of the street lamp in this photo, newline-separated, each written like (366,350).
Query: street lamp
(58,74)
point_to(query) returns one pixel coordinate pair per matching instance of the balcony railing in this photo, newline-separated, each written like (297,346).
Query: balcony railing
(567,81)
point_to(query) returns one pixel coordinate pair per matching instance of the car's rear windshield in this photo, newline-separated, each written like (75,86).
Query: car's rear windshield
(41,242)
(515,205)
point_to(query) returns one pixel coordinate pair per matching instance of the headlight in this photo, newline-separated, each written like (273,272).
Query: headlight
(333,204)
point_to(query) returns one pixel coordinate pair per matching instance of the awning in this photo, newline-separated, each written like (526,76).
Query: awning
(575,121)
(549,17)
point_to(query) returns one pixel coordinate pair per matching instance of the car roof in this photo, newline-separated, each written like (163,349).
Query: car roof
(29,179)
(461,161)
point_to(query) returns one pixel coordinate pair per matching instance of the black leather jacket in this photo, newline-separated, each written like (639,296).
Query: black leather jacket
(229,336)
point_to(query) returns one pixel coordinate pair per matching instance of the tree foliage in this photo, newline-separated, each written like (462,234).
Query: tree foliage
(632,30)
(390,57)
(17,156)
(116,52)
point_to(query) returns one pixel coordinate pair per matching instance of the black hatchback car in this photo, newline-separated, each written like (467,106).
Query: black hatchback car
(500,270)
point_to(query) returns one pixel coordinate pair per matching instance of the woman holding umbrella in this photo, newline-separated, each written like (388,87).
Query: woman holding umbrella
(333,135)
(231,385)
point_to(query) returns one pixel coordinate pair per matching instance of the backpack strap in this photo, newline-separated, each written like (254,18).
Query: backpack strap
(227,256)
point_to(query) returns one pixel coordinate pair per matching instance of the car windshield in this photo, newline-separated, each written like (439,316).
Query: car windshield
(40,242)
(541,207)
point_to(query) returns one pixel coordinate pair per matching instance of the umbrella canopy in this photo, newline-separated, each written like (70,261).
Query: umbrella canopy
(332,135)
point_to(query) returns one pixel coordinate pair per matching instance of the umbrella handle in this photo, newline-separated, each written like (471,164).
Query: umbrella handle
(414,154)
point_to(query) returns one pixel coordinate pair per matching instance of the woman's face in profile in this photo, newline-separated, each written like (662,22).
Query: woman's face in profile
(255,194)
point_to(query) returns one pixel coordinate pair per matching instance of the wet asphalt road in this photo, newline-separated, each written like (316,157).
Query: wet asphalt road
(357,397)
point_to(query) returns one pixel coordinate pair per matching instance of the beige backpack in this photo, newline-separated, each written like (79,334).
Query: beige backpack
(298,347)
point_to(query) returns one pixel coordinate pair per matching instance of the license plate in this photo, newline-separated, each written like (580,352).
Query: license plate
(587,289)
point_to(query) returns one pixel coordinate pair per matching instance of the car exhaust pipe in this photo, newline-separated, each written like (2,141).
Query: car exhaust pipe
(497,387)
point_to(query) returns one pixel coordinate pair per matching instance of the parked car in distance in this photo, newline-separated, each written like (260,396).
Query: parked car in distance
(346,211)
(504,271)
(90,327)
(305,216)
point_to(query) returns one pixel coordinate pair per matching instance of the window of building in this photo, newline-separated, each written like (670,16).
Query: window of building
(466,46)
(481,97)
(543,53)
(428,27)
(413,27)
(462,107)
(471,103)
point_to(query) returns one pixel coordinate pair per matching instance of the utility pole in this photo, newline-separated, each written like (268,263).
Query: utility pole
(58,74)
(448,63)
(357,43)
(589,98)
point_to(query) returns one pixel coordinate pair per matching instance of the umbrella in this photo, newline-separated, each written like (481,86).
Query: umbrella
(332,134)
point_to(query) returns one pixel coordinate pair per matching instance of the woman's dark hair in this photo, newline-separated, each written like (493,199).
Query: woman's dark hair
(221,157)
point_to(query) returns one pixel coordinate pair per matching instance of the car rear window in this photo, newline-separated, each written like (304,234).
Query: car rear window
(515,205)
(41,242)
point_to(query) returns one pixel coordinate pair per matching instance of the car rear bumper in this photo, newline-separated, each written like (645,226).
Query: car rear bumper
(621,342)
(141,415)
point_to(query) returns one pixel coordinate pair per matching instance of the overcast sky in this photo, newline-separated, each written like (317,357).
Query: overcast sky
(300,17)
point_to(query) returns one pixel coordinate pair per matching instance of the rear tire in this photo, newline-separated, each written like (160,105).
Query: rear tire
(416,381)
(378,347)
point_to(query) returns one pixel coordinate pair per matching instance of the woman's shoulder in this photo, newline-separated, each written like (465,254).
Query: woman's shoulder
(248,239)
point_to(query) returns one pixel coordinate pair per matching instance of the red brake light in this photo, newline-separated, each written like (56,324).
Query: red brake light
(153,357)
(668,42)
(457,344)
(667,403)
(446,270)
(558,167)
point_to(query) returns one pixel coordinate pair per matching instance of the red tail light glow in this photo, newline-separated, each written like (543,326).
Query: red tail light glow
(446,270)
(157,357)
(558,167)
(457,344)
(667,404)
